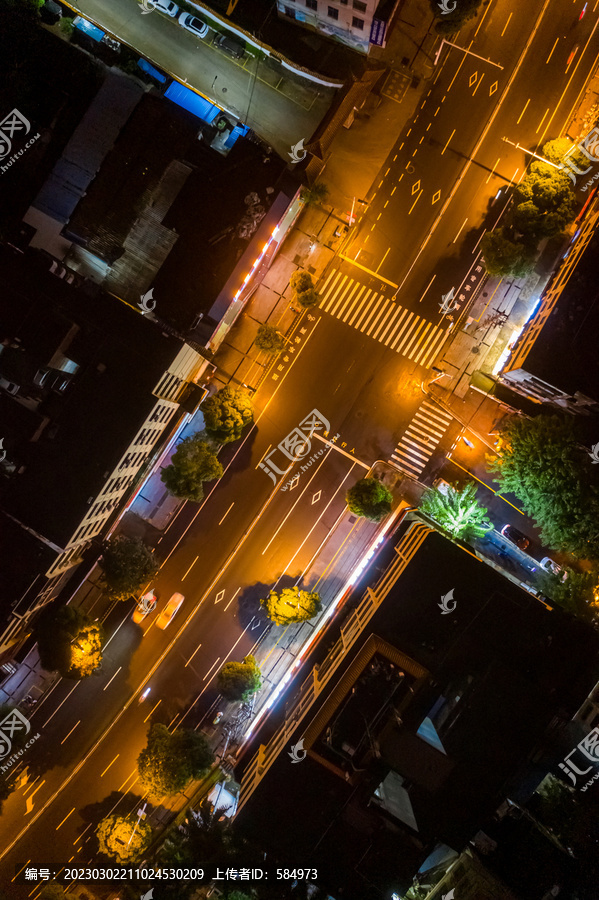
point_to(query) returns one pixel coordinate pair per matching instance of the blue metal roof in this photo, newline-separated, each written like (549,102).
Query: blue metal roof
(83,25)
(145,66)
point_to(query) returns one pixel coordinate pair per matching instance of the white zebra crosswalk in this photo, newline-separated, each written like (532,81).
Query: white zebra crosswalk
(381,318)
(421,438)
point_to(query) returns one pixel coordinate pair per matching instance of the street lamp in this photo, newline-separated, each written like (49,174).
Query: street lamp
(463,49)
(436,378)
(530,153)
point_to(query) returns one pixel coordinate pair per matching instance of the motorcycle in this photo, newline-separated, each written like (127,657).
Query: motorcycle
(143,696)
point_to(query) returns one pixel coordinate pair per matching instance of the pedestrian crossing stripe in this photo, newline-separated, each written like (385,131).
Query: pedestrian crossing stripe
(381,318)
(421,438)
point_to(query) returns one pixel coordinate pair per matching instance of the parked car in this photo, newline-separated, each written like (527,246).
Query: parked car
(193,24)
(168,613)
(146,605)
(515,536)
(166,6)
(229,44)
(553,568)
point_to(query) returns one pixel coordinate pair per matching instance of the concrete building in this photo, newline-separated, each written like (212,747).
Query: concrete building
(89,389)
(357,23)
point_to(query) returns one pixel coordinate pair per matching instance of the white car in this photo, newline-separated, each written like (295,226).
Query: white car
(553,568)
(165,6)
(193,24)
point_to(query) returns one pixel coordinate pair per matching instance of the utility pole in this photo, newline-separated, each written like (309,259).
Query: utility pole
(530,153)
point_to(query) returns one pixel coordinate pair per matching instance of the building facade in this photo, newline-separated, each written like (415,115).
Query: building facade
(357,23)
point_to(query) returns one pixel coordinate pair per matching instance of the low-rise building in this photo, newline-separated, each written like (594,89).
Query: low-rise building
(357,23)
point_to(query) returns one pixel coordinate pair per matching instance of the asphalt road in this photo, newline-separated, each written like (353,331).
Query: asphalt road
(432,201)
(280,107)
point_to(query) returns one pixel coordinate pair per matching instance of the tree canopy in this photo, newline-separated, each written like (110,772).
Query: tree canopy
(577,594)
(504,256)
(193,463)
(300,281)
(370,499)
(237,681)
(462,10)
(68,641)
(227,413)
(170,760)
(457,511)
(308,298)
(269,340)
(291,605)
(541,463)
(314,195)
(127,564)
(125,839)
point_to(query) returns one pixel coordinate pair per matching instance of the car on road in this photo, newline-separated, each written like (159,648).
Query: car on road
(165,6)
(230,45)
(573,53)
(170,610)
(553,568)
(194,24)
(516,537)
(146,604)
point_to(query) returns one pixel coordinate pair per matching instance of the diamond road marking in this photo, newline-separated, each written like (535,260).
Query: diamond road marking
(492,89)
(294,482)
(316,497)
(219,596)
(473,79)
(436,197)
(416,187)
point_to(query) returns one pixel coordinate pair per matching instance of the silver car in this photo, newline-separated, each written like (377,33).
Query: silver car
(165,6)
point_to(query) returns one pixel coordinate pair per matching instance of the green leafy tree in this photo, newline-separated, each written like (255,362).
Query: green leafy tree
(370,499)
(52,891)
(66,25)
(504,256)
(457,511)
(308,298)
(269,339)
(237,681)
(291,605)
(300,281)
(125,839)
(548,192)
(541,463)
(127,564)
(227,413)
(169,761)
(68,641)
(315,195)
(463,10)
(577,594)
(193,463)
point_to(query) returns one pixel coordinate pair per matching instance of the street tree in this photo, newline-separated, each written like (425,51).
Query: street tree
(269,340)
(127,564)
(291,605)
(125,839)
(577,594)
(68,641)
(308,298)
(300,281)
(193,463)
(315,195)
(541,462)
(549,192)
(457,511)
(169,761)
(505,256)
(227,413)
(370,499)
(237,681)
